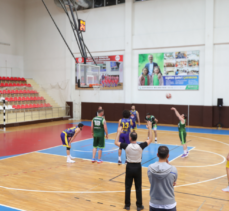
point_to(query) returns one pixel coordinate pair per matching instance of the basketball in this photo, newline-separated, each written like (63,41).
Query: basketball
(168,96)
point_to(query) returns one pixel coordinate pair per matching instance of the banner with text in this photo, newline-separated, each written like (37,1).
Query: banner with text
(169,71)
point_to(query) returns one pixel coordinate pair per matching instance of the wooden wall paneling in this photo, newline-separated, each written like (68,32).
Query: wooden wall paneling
(207,116)
(196,115)
(109,111)
(166,115)
(86,109)
(118,109)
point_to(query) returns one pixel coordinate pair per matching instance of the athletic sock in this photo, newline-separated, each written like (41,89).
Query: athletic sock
(68,157)
(119,158)
(155,138)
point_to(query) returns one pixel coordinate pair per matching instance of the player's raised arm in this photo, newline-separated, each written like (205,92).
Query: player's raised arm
(119,131)
(156,120)
(178,115)
(138,118)
(105,128)
(149,125)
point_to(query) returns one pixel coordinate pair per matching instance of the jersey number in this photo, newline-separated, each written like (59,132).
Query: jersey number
(125,126)
(97,123)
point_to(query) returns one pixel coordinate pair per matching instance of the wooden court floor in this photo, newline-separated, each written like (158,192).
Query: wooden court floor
(37,181)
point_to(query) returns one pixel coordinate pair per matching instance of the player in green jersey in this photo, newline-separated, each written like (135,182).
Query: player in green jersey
(182,131)
(154,121)
(98,128)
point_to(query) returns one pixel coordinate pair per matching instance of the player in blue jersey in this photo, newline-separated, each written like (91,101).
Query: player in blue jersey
(126,124)
(134,115)
(67,136)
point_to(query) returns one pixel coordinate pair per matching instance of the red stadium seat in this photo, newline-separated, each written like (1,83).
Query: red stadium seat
(18,107)
(7,78)
(11,78)
(6,84)
(14,106)
(14,84)
(27,98)
(1,92)
(22,106)
(8,91)
(10,84)
(15,98)
(11,99)
(28,85)
(23,99)
(30,105)
(16,92)
(17,84)
(19,99)
(7,98)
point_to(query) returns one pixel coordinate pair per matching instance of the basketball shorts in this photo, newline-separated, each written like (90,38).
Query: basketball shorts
(64,138)
(154,127)
(124,138)
(135,126)
(99,142)
(182,136)
(227,166)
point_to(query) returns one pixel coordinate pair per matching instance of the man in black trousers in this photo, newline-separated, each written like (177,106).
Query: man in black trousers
(133,167)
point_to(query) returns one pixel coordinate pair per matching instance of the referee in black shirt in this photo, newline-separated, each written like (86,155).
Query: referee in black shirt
(134,167)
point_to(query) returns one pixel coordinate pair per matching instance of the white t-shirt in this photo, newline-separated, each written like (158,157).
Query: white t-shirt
(167,207)
(150,68)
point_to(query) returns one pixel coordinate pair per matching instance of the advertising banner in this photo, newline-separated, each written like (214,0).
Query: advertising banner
(111,71)
(169,71)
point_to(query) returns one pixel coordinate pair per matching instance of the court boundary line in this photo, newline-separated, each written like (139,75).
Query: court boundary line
(11,207)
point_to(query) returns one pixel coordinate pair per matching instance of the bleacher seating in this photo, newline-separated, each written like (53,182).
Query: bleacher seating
(20,95)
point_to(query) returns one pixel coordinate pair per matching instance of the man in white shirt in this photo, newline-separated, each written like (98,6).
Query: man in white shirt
(133,167)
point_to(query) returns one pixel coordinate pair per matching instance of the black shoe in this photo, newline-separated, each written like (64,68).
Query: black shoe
(127,208)
(140,208)
(126,162)
(119,162)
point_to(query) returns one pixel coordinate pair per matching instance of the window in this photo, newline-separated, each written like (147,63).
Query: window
(121,1)
(98,3)
(110,2)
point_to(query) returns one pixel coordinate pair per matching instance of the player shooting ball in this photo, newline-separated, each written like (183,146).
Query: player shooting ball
(154,121)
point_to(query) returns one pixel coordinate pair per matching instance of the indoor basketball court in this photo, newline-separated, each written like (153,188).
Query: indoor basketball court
(71,70)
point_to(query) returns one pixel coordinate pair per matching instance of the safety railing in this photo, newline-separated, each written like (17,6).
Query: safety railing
(33,114)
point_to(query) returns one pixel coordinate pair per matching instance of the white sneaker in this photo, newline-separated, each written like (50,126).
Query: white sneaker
(226,189)
(72,157)
(70,161)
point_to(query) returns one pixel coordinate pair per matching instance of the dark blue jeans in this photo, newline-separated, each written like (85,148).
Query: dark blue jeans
(157,209)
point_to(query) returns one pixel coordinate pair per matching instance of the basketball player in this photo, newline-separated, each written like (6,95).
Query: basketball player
(126,124)
(100,108)
(154,121)
(98,127)
(67,136)
(134,115)
(227,170)
(182,131)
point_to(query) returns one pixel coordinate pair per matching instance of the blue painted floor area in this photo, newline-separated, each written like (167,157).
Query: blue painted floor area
(83,150)
(5,208)
(112,128)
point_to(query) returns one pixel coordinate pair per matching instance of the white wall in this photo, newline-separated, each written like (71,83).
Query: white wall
(47,58)
(12,34)
(128,29)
